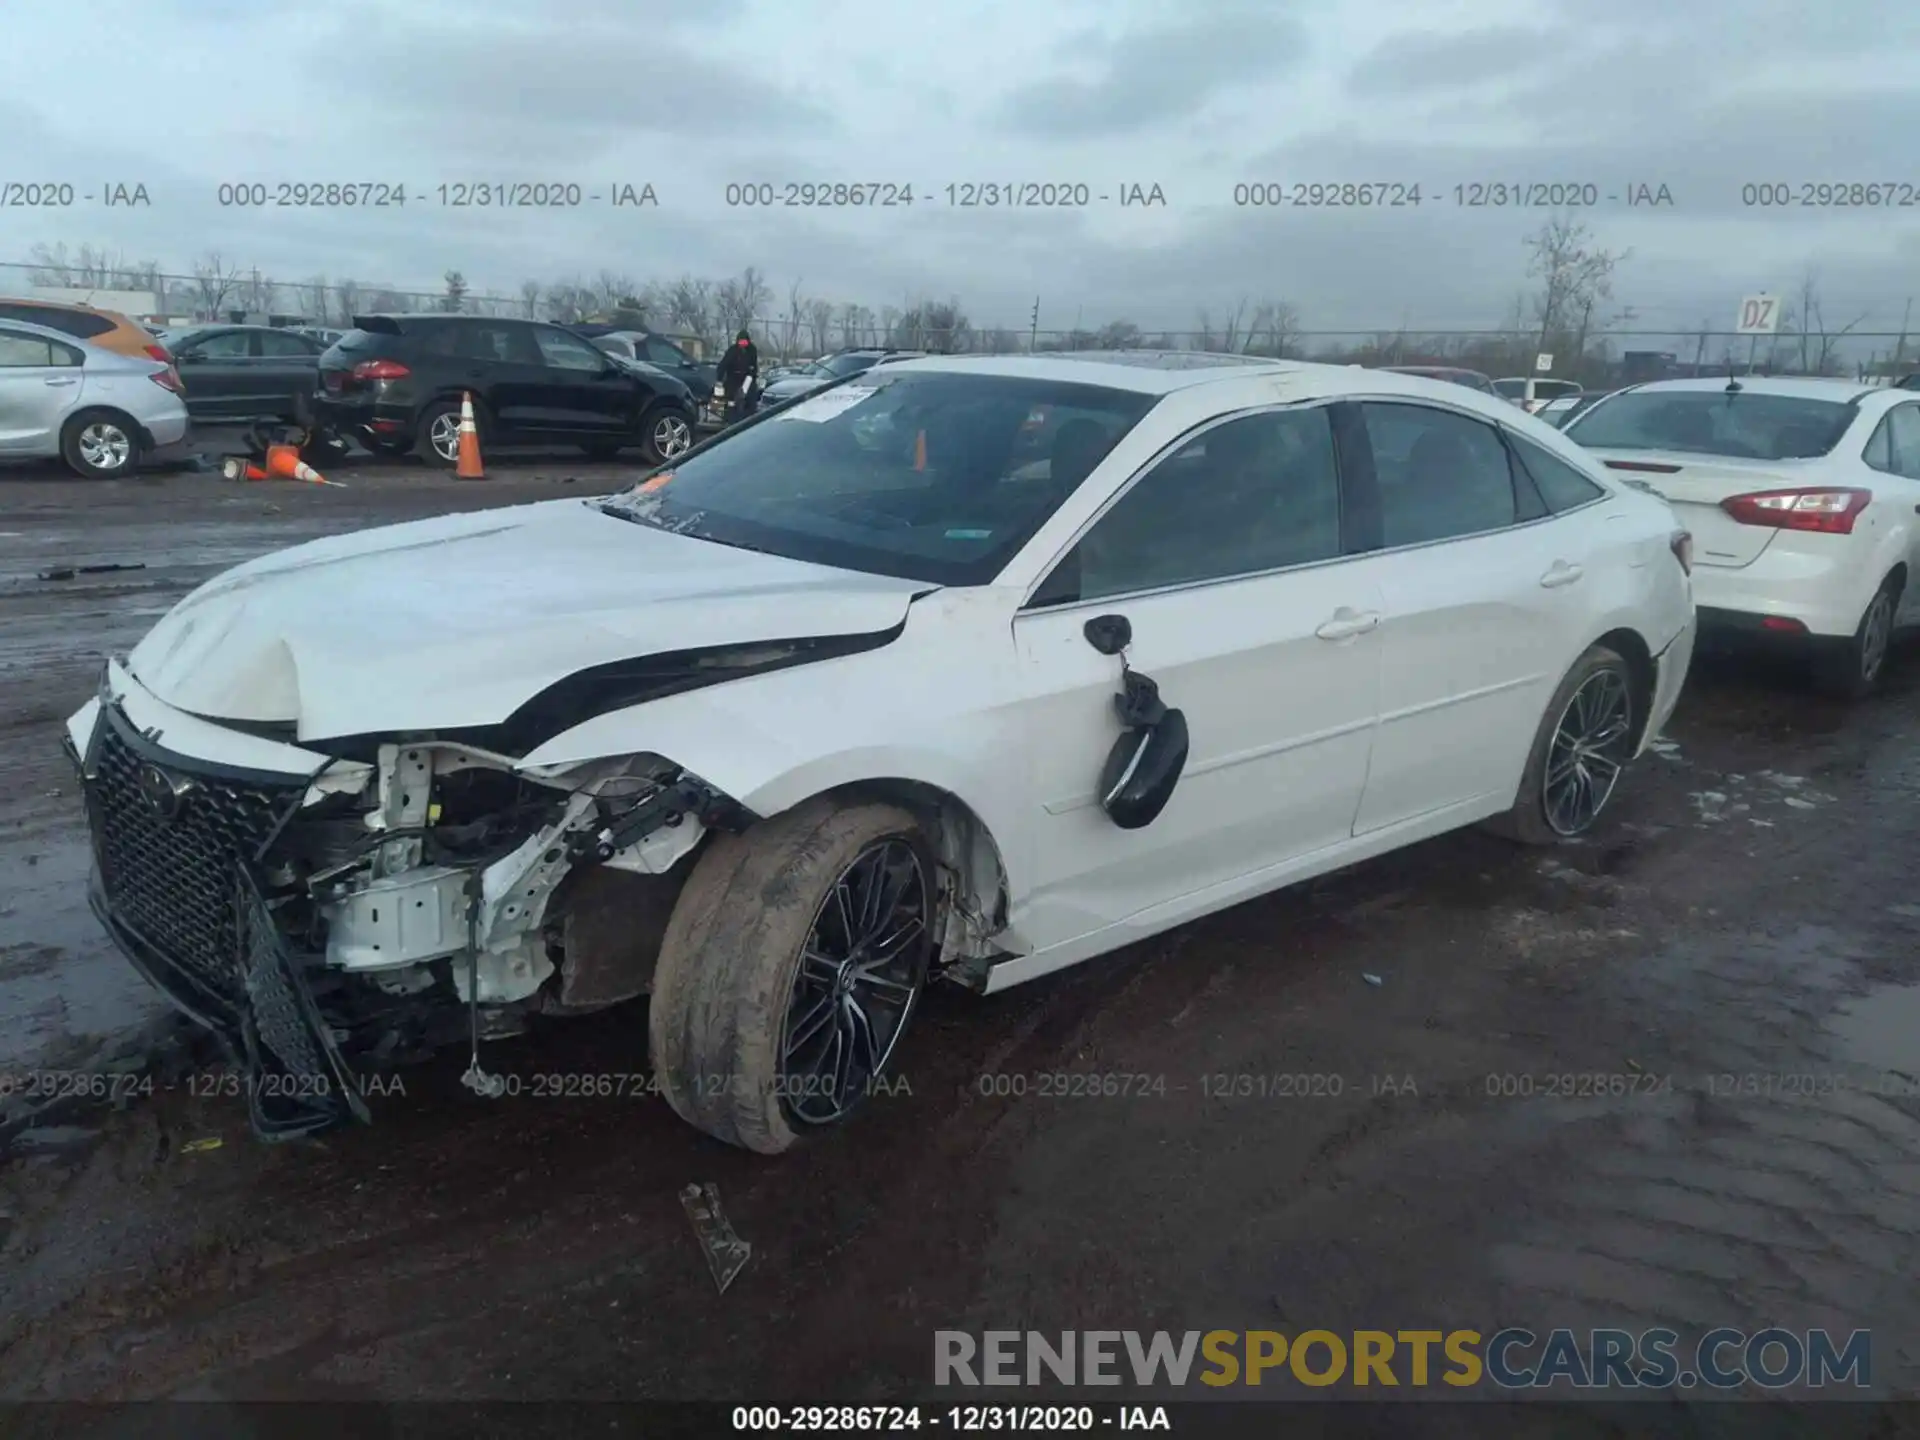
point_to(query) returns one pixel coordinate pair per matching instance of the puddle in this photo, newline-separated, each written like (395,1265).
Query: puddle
(1881,1029)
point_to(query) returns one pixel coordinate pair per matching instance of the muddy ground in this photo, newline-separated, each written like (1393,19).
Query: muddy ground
(1739,943)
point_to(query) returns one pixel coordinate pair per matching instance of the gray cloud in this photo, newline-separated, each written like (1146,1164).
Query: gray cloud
(1167,72)
(1432,60)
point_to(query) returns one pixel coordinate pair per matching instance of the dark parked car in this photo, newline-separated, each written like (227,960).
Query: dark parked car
(829,369)
(238,374)
(656,350)
(394,383)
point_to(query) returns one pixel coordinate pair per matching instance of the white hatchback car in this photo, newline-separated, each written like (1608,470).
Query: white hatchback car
(100,411)
(889,684)
(1801,496)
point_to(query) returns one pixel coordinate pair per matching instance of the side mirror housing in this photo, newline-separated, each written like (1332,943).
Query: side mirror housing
(1142,769)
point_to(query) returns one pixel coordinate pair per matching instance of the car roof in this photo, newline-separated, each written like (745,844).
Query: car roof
(1148,372)
(1801,387)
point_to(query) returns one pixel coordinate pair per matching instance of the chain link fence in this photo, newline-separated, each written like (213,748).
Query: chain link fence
(701,315)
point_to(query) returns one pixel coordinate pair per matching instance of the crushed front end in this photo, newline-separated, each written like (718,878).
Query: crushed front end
(328,915)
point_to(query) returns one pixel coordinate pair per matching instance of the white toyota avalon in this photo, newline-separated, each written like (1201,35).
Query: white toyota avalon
(964,669)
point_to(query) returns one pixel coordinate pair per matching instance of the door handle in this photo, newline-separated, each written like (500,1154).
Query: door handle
(1561,574)
(61,380)
(1347,623)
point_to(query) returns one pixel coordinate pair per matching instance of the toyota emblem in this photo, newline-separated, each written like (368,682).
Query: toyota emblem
(166,794)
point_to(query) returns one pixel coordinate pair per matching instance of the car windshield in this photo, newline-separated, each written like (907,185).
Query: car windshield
(1737,424)
(932,476)
(847,364)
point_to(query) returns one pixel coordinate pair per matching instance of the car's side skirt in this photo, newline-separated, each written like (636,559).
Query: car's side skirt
(1017,970)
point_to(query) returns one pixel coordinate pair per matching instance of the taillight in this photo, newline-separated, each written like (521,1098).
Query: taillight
(1683,550)
(1825,512)
(159,352)
(380,370)
(168,379)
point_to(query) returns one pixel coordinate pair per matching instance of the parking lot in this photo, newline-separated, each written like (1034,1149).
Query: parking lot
(1668,1075)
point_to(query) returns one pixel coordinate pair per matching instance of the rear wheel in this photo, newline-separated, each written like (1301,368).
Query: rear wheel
(1851,669)
(794,960)
(1583,745)
(100,444)
(437,436)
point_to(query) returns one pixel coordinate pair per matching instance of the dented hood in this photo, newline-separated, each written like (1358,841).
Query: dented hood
(458,620)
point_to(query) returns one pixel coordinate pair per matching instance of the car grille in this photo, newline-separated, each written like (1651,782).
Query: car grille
(172,878)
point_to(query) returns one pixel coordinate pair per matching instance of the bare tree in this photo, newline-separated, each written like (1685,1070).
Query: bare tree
(346,299)
(690,307)
(50,266)
(999,341)
(856,325)
(791,322)
(214,280)
(820,325)
(530,293)
(888,322)
(1573,273)
(738,302)
(1275,330)
(1118,335)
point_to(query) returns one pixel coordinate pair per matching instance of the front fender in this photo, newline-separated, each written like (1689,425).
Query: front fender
(774,740)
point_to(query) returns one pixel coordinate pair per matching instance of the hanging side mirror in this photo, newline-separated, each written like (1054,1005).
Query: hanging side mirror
(1147,759)
(1141,771)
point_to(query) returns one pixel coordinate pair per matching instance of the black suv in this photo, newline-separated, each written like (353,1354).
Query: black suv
(394,383)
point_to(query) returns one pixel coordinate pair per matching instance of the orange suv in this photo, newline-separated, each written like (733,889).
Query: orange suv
(108,329)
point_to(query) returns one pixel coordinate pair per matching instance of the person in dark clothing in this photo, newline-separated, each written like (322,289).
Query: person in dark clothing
(740,364)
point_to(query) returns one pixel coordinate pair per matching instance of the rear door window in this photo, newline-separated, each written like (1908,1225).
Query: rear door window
(1441,475)
(23,352)
(1561,486)
(81,324)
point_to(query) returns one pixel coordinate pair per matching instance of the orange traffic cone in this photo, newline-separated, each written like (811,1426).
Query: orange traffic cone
(284,463)
(469,467)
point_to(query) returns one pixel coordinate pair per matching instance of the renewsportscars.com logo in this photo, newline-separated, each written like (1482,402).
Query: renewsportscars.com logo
(1510,1359)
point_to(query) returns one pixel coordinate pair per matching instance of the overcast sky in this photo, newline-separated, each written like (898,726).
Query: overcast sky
(1194,96)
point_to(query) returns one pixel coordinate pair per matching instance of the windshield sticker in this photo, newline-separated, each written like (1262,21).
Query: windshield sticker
(647,487)
(818,408)
(969,534)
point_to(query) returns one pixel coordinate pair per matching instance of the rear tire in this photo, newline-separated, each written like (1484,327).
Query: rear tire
(100,445)
(1852,669)
(436,439)
(1583,746)
(732,999)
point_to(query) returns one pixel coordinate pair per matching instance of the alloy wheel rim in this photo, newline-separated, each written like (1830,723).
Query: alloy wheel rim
(1876,632)
(104,446)
(671,437)
(862,967)
(1588,752)
(445,436)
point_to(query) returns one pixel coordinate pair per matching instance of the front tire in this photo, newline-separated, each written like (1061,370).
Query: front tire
(1583,746)
(667,433)
(792,965)
(100,445)
(1851,669)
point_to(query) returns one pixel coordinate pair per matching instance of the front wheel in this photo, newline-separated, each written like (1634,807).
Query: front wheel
(667,433)
(795,957)
(1584,744)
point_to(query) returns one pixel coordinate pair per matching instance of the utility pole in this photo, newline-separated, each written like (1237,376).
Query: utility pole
(1900,346)
(1033,335)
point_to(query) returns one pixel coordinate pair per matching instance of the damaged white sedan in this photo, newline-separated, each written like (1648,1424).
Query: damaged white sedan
(966,670)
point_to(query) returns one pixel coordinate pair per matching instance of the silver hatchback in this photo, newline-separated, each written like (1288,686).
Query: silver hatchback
(100,412)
